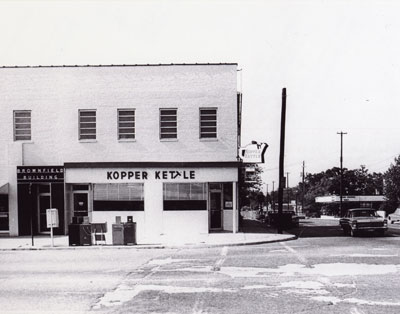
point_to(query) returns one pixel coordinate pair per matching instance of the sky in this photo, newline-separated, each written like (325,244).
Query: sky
(338,60)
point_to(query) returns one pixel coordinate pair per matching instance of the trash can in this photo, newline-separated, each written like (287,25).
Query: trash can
(79,234)
(130,233)
(118,234)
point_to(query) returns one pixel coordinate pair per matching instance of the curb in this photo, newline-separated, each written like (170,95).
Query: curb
(147,247)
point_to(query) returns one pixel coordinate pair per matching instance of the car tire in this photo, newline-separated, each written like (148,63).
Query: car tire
(353,233)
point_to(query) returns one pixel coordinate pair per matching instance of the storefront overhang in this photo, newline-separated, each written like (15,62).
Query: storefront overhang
(350,198)
(151,164)
(146,172)
(3,187)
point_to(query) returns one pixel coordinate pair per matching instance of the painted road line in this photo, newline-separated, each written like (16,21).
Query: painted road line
(200,300)
(221,260)
(355,310)
(301,258)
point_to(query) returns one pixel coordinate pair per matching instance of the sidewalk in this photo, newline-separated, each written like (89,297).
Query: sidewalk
(252,232)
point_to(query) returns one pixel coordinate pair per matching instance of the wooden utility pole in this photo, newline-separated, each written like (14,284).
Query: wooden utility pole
(281,162)
(302,190)
(287,187)
(273,195)
(341,173)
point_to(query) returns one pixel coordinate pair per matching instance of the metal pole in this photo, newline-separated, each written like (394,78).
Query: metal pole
(31,218)
(235,224)
(51,235)
(341,173)
(281,161)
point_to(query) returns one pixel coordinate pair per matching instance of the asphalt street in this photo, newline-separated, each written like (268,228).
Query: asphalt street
(321,272)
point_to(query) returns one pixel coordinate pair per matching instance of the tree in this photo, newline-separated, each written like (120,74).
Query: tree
(392,186)
(250,184)
(355,182)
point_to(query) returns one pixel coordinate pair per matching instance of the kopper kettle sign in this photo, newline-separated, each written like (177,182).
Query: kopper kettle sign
(253,153)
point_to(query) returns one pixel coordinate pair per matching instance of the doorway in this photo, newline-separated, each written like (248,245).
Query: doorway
(44,202)
(81,204)
(215,210)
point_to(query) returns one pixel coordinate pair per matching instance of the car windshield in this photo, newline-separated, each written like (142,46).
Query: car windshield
(363,213)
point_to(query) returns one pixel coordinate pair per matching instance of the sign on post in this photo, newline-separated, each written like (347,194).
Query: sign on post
(253,153)
(52,221)
(52,218)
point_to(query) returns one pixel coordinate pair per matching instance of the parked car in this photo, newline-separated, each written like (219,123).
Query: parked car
(313,215)
(289,218)
(363,220)
(394,217)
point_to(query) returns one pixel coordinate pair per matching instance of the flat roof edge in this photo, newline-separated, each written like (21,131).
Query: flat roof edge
(112,65)
(151,164)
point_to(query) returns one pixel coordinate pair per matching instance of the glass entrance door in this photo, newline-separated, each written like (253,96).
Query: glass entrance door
(80,204)
(43,205)
(215,211)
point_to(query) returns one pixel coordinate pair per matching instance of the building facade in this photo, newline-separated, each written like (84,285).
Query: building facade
(158,143)
(351,201)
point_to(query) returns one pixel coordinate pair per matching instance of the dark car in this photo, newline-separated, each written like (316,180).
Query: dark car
(289,218)
(359,220)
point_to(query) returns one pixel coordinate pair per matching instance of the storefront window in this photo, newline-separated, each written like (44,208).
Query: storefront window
(228,196)
(185,196)
(118,197)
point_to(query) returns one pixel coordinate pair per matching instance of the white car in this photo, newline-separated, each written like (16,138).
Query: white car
(394,217)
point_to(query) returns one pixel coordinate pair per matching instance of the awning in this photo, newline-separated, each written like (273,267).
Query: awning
(3,188)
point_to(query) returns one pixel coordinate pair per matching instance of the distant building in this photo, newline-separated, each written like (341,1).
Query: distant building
(352,201)
(155,142)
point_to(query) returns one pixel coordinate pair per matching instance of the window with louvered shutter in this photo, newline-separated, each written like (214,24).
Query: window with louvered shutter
(168,124)
(22,125)
(208,123)
(87,124)
(126,124)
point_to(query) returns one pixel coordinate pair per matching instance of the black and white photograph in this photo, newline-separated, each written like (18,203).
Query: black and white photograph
(200,157)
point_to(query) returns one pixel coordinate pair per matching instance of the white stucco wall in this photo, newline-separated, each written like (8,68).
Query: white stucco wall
(55,94)
(154,222)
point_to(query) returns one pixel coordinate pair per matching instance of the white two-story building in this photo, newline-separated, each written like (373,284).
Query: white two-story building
(155,142)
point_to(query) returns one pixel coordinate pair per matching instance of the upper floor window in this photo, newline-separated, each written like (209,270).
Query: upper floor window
(208,123)
(87,124)
(126,124)
(22,125)
(168,124)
